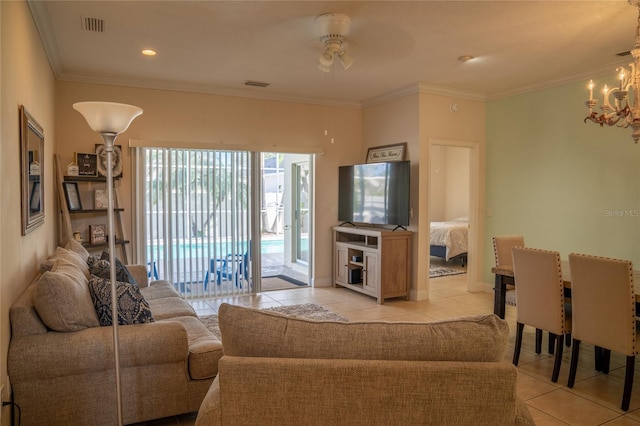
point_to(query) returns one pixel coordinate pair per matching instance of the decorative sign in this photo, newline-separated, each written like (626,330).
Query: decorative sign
(386,153)
(87,164)
(98,234)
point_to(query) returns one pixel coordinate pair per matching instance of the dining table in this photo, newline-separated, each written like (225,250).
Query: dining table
(504,276)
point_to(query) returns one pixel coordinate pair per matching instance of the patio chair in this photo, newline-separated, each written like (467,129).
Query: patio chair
(233,267)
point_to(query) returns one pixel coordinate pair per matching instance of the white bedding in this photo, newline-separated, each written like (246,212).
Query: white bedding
(452,235)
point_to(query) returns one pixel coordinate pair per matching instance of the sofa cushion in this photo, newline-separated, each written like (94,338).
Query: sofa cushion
(62,298)
(69,255)
(159,290)
(254,333)
(132,307)
(122,273)
(171,307)
(204,348)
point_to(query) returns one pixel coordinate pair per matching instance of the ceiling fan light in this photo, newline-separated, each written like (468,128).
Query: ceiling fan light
(324,68)
(346,60)
(326,58)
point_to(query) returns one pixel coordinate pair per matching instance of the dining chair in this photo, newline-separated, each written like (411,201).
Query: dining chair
(540,299)
(604,313)
(502,246)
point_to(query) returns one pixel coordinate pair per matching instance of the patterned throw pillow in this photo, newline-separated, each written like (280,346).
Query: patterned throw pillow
(132,307)
(122,273)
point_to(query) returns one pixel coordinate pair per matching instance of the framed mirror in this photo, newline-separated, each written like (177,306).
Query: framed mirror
(31,171)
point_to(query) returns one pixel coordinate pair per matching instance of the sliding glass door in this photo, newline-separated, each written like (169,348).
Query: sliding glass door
(197,219)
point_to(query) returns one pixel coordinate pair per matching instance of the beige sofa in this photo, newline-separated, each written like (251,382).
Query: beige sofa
(67,377)
(286,371)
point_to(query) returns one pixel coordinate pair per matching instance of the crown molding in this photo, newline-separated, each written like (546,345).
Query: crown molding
(40,15)
(422,87)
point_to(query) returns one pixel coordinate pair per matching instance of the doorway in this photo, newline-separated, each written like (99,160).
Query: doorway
(453,199)
(286,220)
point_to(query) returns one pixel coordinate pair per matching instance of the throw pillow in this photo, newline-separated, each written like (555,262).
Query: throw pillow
(132,306)
(77,248)
(122,273)
(102,268)
(255,333)
(62,299)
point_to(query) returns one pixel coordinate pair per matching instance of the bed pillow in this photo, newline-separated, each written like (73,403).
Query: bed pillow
(255,333)
(132,306)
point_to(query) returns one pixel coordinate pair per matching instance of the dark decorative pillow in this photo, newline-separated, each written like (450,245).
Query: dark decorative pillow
(101,268)
(122,273)
(91,261)
(132,307)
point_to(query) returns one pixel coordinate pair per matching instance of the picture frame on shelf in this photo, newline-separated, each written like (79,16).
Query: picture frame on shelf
(87,164)
(97,234)
(385,153)
(72,195)
(100,199)
(116,160)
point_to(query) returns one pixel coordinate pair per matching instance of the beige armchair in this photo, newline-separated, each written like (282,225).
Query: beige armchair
(604,313)
(540,299)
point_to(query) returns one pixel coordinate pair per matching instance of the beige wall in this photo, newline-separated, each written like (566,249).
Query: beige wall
(449,183)
(213,120)
(392,122)
(26,80)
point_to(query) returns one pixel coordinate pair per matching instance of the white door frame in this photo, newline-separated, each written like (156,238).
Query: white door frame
(473,263)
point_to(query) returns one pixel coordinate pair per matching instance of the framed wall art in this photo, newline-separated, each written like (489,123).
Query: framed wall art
(72,195)
(87,164)
(380,154)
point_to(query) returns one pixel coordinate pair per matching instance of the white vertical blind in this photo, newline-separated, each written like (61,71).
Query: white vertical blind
(197,219)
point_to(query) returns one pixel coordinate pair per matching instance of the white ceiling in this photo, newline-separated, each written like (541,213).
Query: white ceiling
(215,46)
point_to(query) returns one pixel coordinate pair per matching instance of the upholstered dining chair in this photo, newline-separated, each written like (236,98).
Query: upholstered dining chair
(604,313)
(502,246)
(540,299)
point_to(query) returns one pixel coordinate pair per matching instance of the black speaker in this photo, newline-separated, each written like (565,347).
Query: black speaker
(355,276)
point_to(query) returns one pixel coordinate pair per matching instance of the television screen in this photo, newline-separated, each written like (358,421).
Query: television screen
(375,193)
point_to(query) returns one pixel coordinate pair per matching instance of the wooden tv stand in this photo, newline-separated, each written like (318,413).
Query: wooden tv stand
(372,261)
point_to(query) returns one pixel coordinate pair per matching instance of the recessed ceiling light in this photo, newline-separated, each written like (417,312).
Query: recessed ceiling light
(149,52)
(465,58)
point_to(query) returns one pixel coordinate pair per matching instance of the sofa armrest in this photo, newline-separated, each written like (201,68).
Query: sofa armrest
(268,391)
(45,356)
(139,273)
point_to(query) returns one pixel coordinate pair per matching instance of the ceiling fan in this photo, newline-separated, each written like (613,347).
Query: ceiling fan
(333,29)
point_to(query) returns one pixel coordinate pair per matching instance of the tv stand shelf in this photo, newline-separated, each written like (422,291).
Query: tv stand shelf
(372,261)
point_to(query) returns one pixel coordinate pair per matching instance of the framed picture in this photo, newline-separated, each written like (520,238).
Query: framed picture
(100,199)
(72,196)
(385,153)
(97,234)
(116,160)
(87,164)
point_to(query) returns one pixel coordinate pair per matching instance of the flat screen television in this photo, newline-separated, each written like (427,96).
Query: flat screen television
(374,193)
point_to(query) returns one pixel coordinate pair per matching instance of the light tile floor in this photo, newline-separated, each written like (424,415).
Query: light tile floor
(594,400)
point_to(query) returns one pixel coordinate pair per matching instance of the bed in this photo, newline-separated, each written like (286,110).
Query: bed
(449,240)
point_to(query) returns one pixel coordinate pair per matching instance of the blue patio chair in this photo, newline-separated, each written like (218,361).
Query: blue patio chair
(152,271)
(232,267)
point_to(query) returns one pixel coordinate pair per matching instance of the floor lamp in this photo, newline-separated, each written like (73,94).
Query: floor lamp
(110,119)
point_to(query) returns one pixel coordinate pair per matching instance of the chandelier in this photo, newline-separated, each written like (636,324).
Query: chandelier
(621,113)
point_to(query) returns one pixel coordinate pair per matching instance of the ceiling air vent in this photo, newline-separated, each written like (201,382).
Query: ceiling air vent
(627,53)
(95,25)
(256,83)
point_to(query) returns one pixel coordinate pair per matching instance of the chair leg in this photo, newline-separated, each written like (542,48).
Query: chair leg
(538,340)
(552,343)
(575,352)
(597,351)
(628,382)
(558,362)
(606,360)
(518,346)
(568,339)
